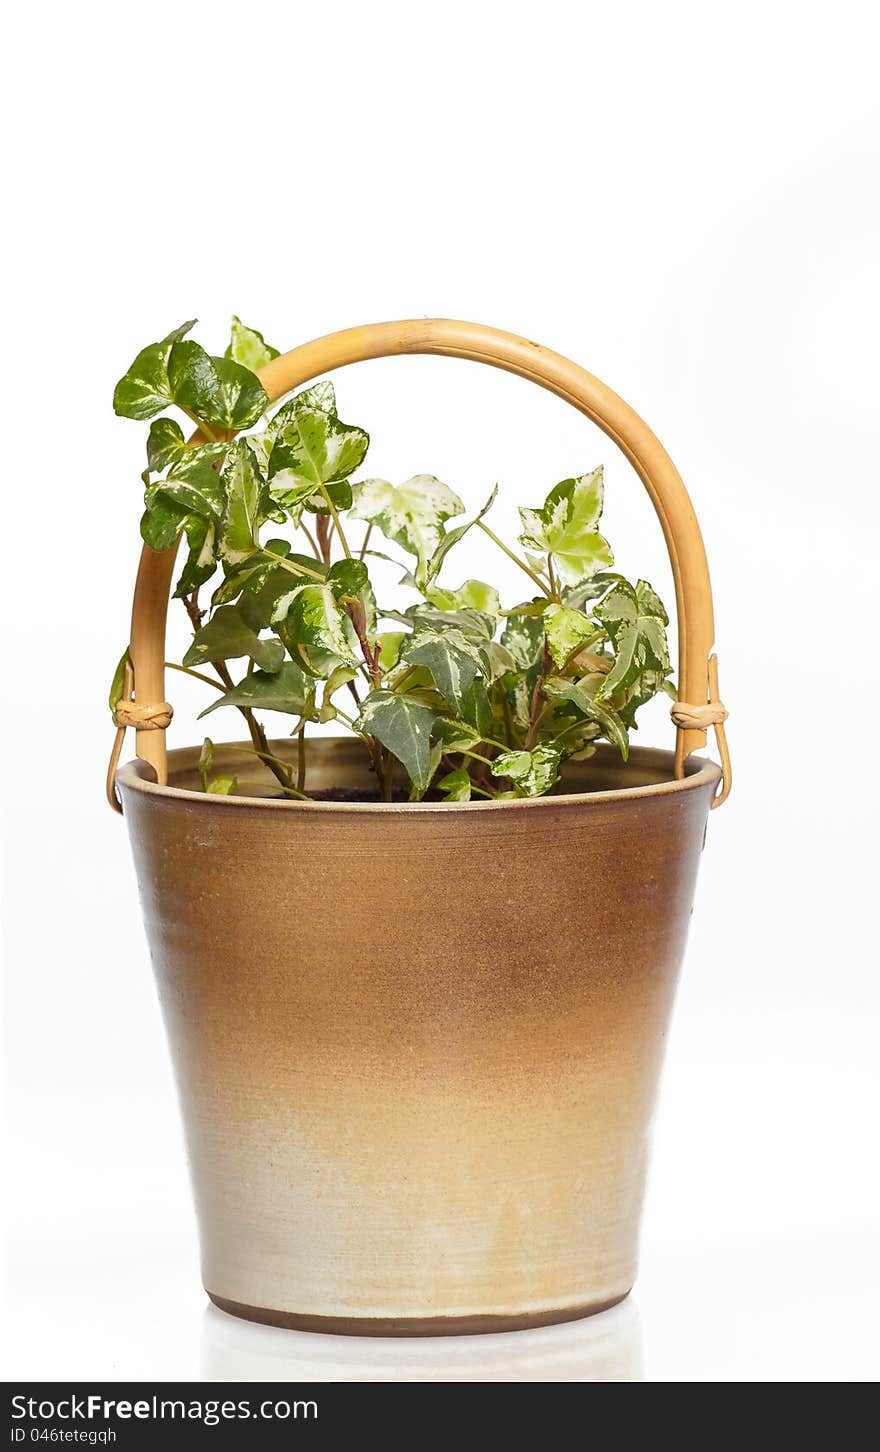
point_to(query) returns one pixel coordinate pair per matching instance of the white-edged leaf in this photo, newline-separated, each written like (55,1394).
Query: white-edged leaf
(580,693)
(248,347)
(566,527)
(146,389)
(534,772)
(404,727)
(565,629)
(411,514)
(455,786)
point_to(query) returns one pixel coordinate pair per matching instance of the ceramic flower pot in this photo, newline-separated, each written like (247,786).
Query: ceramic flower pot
(417,1046)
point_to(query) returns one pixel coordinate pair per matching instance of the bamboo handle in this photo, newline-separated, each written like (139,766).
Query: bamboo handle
(698,704)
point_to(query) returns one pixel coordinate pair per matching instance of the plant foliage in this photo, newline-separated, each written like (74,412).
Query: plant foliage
(472,700)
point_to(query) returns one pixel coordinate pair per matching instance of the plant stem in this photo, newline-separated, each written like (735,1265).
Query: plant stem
(196,675)
(258,735)
(363,549)
(339,530)
(516,559)
(311,539)
(291,791)
(294,569)
(322,527)
(301,759)
(200,424)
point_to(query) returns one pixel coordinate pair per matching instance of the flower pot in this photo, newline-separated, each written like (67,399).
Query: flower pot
(417,1046)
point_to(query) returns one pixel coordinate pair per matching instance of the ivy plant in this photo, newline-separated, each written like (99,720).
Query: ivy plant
(474,700)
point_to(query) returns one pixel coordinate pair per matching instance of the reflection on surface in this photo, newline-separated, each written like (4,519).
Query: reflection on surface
(606,1347)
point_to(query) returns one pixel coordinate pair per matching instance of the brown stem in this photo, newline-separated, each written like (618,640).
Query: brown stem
(538,700)
(301,758)
(257,734)
(322,529)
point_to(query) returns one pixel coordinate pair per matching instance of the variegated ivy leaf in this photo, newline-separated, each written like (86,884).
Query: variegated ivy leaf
(321,396)
(566,629)
(566,527)
(312,449)
(162,523)
(450,657)
(201,562)
(455,735)
(310,620)
(228,637)
(145,389)
(582,695)
(534,772)
(217,391)
(476,709)
(193,482)
(411,514)
(242,516)
(472,595)
(165,444)
(350,582)
(636,624)
(287,690)
(523,636)
(450,539)
(455,786)
(473,623)
(404,727)
(248,347)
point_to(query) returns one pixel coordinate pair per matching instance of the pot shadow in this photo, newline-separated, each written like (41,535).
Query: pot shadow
(606,1347)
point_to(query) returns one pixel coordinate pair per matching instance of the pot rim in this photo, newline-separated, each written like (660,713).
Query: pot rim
(137,775)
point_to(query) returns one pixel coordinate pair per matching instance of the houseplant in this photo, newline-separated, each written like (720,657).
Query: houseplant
(409,1107)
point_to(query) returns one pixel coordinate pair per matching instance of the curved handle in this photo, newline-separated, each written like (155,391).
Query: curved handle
(698,706)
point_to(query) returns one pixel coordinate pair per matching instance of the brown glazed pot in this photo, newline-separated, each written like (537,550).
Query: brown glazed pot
(417,1047)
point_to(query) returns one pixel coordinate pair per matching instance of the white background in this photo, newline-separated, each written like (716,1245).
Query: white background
(683,198)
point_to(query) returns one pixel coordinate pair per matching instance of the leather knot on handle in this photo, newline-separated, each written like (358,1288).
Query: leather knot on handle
(698,718)
(143,718)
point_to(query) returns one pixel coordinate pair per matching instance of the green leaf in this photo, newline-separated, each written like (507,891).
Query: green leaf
(206,761)
(534,772)
(165,444)
(242,516)
(227,637)
(118,681)
(476,709)
(455,786)
(580,693)
(248,347)
(452,538)
(217,391)
(404,727)
(450,657)
(288,690)
(523,636)
(222,786)
(201,562)
(565,629)
(348,579)
(162,522)
(309,616)
(635,620)
(455,735)
(566,527)
(339,495)
(194,482)
(390,642)
(312,448)
(410,514)
(145,389)
(473,594)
